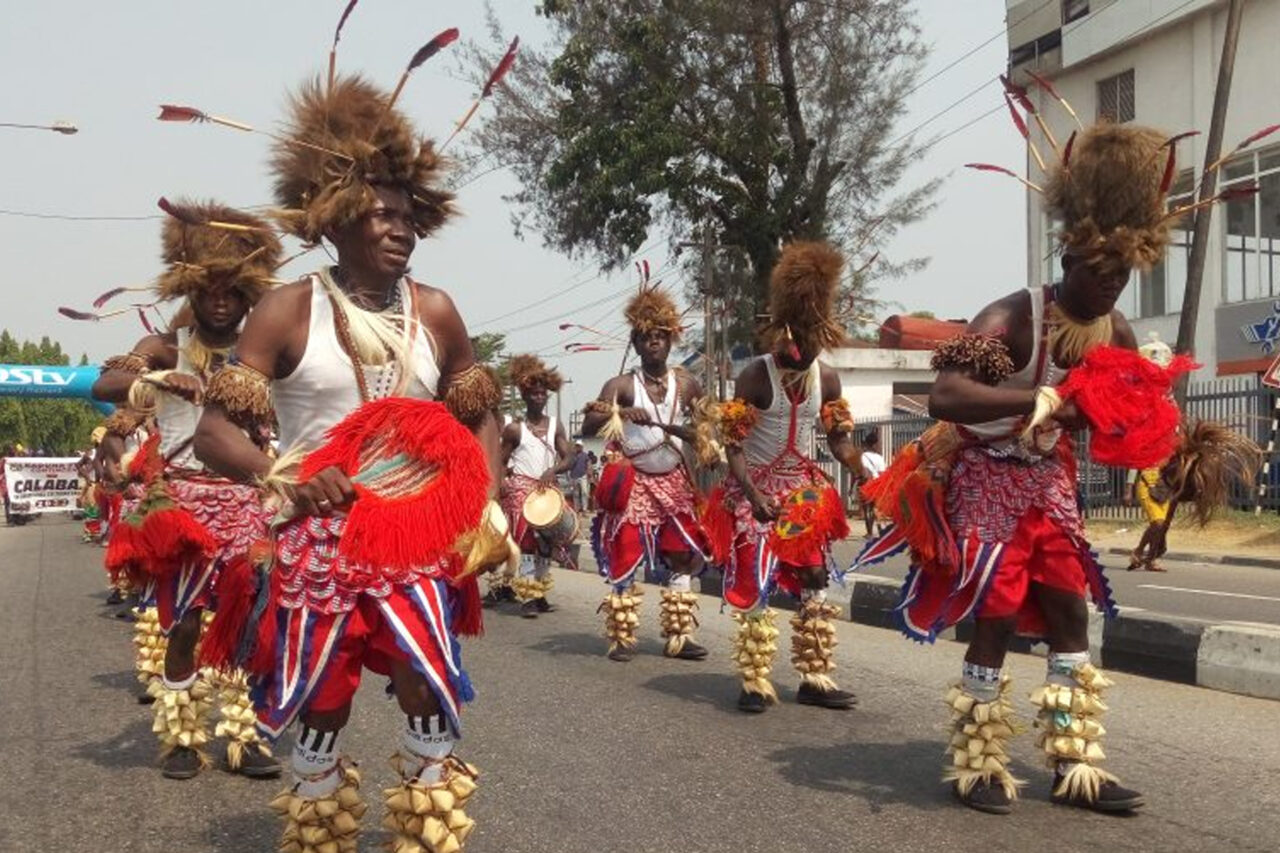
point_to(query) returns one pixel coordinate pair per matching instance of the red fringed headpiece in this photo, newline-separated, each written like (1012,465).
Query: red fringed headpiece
(1127,401)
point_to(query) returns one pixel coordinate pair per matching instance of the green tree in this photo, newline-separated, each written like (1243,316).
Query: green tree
(751,121)
(491,350)
(59,427)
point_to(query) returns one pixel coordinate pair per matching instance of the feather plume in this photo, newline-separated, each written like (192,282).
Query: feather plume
(1019,94)
(988,167)
(146,324)
(173,112)
(1066,151)
(431,48)
(109,295)
(337,34)
(1245,143)
(1021,125)
(183,215)
(1170,164)
(500,70)
(1053,93)
(77,315)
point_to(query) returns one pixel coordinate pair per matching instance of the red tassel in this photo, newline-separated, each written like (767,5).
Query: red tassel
(263,660)
(235,596)
(1127,400)
(467,608)
(171,539)
(717,521)
(125,556)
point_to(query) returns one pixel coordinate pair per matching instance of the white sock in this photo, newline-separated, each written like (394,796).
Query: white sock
(527,567)
(429,738)
(1061,665)
(818,595)
(184,684)
(980,682)
(679,583)
(541,567)
(315,763)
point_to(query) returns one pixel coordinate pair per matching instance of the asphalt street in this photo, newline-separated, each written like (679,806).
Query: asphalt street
(583,755)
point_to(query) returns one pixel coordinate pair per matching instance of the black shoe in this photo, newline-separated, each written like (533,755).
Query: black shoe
(621,654)
(256,764)
(543,605)
(529,609)
(752,703)
(492,599)
(116,597)
(146,699)
(985,797)
(691,651)
(127,615)
(182,763)
(1112,798)
(839,700)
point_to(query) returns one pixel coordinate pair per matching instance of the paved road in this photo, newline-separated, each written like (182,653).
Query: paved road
(582,755)
(1206,591)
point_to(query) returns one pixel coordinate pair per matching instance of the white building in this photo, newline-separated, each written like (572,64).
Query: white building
(879,382)
(1155,62)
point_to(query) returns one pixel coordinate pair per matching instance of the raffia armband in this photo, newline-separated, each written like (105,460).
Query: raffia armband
(472,393)
(736,417)
(132,362)
(984,356)
(836,417)
(244,394)
(123,422)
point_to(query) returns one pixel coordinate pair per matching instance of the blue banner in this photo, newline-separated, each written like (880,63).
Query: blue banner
(43,380)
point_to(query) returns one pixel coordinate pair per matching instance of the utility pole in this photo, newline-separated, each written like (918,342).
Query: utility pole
(1208,188)
(708,332)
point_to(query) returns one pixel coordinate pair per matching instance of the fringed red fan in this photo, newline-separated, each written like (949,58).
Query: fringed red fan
(421,479)
(1126,399)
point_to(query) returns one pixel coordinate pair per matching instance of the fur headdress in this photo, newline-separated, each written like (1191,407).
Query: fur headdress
(802,292)
(651,308)
(528,371)
(342,140)
(1110,195)
(199,249)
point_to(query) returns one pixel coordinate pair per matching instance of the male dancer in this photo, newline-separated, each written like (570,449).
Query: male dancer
(1010,550)
(656,524)
(778,516)
(535,451)
(221,272)
(353,171)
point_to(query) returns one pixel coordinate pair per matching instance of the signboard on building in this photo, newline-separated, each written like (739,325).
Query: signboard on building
(41,485)
(1248,335)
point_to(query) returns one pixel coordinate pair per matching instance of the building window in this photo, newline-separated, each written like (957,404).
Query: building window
(1074,10)
(1159,291)
(1253,228)
(1115,98)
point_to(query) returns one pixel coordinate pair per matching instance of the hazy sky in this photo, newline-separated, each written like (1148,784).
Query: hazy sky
(106,67)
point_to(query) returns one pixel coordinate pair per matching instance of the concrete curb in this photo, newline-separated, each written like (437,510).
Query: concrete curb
(1215,559)
(1233,657)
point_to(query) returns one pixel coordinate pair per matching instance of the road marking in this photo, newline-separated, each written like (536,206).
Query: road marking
(1208,592)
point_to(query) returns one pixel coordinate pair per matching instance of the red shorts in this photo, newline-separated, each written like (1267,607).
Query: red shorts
(1038,553)
(367,642)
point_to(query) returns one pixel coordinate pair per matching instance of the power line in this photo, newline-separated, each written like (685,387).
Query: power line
(26,214)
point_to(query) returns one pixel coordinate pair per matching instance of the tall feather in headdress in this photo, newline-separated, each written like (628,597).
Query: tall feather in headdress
(528,371)
(802,292)
(651,308)
(359,143)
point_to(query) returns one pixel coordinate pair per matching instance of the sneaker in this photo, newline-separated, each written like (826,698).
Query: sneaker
(182,763)
(985,797)
(543,605)
(529,609)
(752,703)
(691,651)
(1112,798)
(840,700)
(256,764)
(621,654)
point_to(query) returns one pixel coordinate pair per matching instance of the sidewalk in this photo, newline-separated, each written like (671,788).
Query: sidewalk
(1237,539)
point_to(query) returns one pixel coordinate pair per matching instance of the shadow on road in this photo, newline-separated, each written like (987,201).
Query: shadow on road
(587,645)
(122,680)
(718,690)
(136,746)
(256,830)
(881,774)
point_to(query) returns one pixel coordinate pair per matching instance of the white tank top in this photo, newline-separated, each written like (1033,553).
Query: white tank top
(533,455)
(322,389)
(176,418)
(650,449)
(1001,435)
(784,426)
